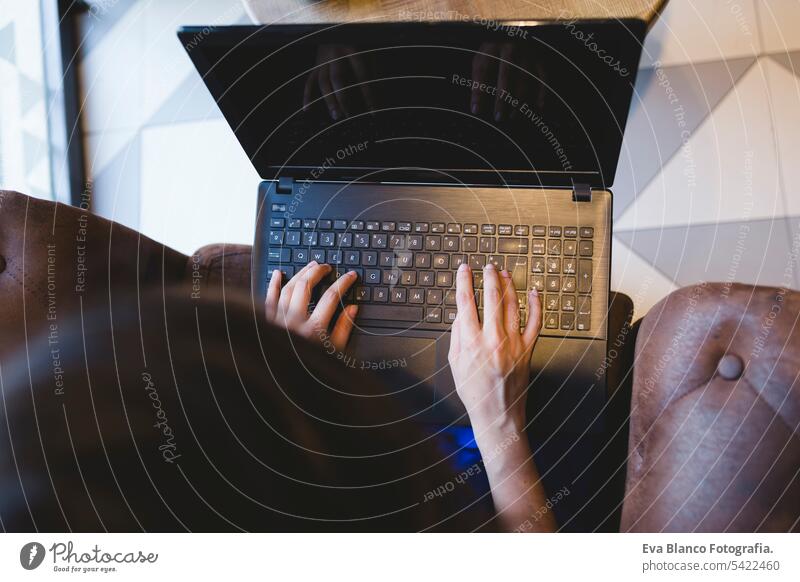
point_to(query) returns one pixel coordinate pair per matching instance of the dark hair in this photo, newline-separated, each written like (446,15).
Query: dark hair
(163,413)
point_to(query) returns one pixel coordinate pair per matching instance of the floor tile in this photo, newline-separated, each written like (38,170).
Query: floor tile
(779,20)
(757,252)
(632,275)
(702,30)
(727,171)
(667,102)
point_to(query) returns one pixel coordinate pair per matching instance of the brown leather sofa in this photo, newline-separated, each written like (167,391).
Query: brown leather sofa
(707,381)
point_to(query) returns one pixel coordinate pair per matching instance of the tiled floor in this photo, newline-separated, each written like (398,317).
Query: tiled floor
(708,186)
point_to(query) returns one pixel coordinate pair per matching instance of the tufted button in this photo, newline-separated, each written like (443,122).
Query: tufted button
(2,264)
(730,367)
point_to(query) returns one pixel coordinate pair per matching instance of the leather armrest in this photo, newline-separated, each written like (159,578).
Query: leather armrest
(714,442)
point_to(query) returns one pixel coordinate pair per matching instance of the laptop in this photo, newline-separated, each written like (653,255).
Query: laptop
(401,150)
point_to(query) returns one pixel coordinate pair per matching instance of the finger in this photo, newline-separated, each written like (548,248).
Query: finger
(327,92)
(308,90)
(362,76)
(531,332)
(273,295)
(288,290)
(339,83)
(510,306)
(492,301)
(455,342)
(301,296)
(483,64)
(467,315)
(327,304)
(343,327)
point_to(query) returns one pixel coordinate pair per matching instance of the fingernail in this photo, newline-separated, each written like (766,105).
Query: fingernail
(463,267)
(505,274)
(489,267)
(274,274)
(535,292)
(352,274)
(313,263)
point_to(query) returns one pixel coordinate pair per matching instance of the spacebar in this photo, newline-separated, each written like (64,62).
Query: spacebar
(389,313)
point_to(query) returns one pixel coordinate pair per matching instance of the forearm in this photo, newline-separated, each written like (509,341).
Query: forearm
(517,491)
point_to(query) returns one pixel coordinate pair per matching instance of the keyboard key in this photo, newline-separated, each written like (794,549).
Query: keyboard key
(584,305)
(379,295)
(438,227)
(537,265)
(408,278)
(583,322)
(569,266)
(441,261)
(450,297)
(379,241)
(422,260)
(570,248)
(587,232)
(317,255)
(421,227)
(584,276)
(416,296)
(477,279)
(554,231)
(404,259)
(537,282)
(327,239)
(344,239)
(279,255)
(551,302)
(426,278)
(522,230)
(477,261)
(339,225)
(300,256)
(386,259)
(293,238)
(390,313)
(390,277)
(499,261)
(361,241)
(309,223)
(357,225)
(567,303)
(567,321)
(372,276)
(404,226)
(276,237)
(551,320)
(505,230)
(444,279)
(397,241)
(553,246)
(538,246)
(516,246)
(277,222)
(470,244)
(295,223)
(433,315)
(569,285)
(399,295)
(279,208)
(287,271)
(414,242)
(488,229)
(434,296)
(324,224)
(310,239)
(553,265)
(450,315)
(453,228)
(456,260)
(369,258)
(571,231)
(373,225)
(451,243)
(363,294)
(518,267)
(585,248)
(433,242)
(487,244)
(335,257)
(388,226)
(539,230)
(470,229)
(553,283)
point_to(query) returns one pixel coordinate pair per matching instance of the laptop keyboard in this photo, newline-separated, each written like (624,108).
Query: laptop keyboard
(407,270)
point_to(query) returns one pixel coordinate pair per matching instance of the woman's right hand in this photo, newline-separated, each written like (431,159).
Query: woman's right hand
(491,362)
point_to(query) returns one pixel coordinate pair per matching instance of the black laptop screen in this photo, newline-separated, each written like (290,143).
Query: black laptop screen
(497,103)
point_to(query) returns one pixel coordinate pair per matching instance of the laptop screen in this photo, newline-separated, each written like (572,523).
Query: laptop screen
(488,103)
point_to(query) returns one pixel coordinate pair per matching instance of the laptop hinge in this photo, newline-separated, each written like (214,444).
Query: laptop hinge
(285,185)
(581,192)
